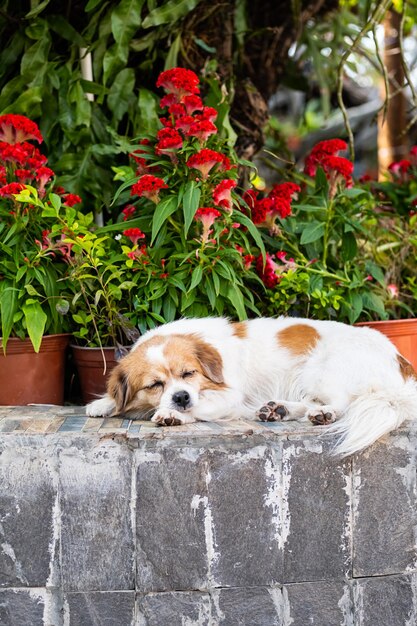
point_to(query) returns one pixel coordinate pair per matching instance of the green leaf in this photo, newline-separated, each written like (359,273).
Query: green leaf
(356,307)
(35,59)
(169,12)
(376,272)
(8,308)
(235,296)
(163,210)
(35,322)
(374,303)
(196,277)
(121,93)
(245,221)
(190,203)
(312,232)
(349,246)
(148,112)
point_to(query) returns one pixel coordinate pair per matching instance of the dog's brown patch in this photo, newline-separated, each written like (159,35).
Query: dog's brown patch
(298,338)
(240,329)
(406,369)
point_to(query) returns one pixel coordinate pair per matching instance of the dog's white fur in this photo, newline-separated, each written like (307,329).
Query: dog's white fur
(349,374)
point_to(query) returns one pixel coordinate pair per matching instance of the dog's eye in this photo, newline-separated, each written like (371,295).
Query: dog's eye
(188,374)
(155,385)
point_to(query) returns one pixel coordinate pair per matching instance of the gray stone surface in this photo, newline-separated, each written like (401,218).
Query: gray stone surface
(109,608)
(316,513)
(28,489)
(19,607)
(386,601)
(175,609)
(258,606)
(96,517)
(385,512)
(321,603)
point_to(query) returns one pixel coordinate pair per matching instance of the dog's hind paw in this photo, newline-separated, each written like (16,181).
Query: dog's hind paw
(322,416)
(272,412)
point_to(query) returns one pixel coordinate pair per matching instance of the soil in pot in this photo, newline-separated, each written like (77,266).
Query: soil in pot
(27,377)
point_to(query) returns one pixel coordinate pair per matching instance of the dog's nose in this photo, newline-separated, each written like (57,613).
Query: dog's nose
(181,398)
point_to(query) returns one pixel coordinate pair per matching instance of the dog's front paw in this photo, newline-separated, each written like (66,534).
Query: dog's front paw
(103,407)
(272,412)
(170,417)
(322,416)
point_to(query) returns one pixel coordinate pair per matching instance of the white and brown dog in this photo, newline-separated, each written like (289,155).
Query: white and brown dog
(270,369)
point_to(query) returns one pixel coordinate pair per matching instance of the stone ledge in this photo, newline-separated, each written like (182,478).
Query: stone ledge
(202,525)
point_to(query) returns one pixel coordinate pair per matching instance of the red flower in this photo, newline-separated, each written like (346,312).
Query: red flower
(167,100)
(134,234)
(43,175)
(205,160)
(11,188)
(70,199)
(399,169)
(248,259)
(207,216)
(202,130)
(192,103)
(179,81)
(329,147)
(148,186)
(138,253)
(184,123)
(128,211)
(222,194)
(208,113)
(334,165)
(250,197)
(280,206)
(260,210)
(3,179)
(285,190)
(168,139)
(18,128)
(23,174)
(177,110)
(267,273)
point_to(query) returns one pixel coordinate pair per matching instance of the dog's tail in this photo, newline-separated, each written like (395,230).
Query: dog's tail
(374,414)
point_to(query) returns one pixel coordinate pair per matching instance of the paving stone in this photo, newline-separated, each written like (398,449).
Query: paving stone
(100,609)
(21,607)
(316,512)
(248,607)
(386,601)
(28,493)
(97,536)
(245,513)
(172,520)
(175,609)
(319,603)
(385,513)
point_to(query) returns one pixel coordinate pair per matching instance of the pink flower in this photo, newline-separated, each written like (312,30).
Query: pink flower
(207,216)
(134,234)
(205,160)
(393,290)
(18,128)
(222,194)
(43,175)
(267,273)
(148,186)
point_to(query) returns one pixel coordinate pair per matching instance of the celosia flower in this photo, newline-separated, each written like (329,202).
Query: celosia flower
(202,130)
(43,175)
(11,188)
(3,179)
(207,216)
(18,128)
(260,210)
(167,100)
(134,234)
(208,113)
(168,139)
(70,199)
(179,81)
(138,253)
(329,147)
(184,123)
(222,194)
(192,103)
(400,169)
(280,206)
(148,186)
(23,174)
(338,165)
(128,212)
(248,260)
(268,272)
(205,160)
(250,197)
(285,190)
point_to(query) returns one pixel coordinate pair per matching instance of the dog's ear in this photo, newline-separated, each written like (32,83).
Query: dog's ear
(210,361)
(119,388)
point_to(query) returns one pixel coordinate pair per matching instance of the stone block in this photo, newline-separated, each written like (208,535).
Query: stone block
(172,519)
(28,494)
(316,512)
(109,608)
(248,607)
(384,510)
(96,516)
(244,494)
(386,601)
(319,603)
(175,609)
(21,607)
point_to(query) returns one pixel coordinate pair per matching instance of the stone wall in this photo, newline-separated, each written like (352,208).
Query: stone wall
(203,525)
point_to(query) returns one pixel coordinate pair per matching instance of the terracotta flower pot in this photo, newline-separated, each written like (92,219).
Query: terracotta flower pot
(402,333)
(28,377)
(93,372)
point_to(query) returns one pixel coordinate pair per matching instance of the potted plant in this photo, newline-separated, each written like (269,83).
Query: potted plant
(33,285)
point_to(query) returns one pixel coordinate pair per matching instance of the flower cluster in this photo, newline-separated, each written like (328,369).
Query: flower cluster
(337,169)
(277,204)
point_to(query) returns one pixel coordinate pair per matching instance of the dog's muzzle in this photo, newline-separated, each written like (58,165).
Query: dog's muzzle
(181,399)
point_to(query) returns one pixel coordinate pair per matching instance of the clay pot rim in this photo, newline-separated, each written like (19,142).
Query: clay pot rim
(49,343)
(393,327)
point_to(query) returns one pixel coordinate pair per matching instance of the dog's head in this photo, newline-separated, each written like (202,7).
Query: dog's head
(166,371)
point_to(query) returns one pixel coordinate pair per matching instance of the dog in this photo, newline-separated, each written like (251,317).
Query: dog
(324,372)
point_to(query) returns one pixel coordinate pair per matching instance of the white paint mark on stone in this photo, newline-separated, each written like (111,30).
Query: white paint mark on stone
(347,545)
(277,600)
(358,603)
(286,618)
(412,618)
(273,497)
(257,452)
(215,596)
(209,532)
(144,456)
(190,454)
(66,613)
(345,606)
(8,550)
